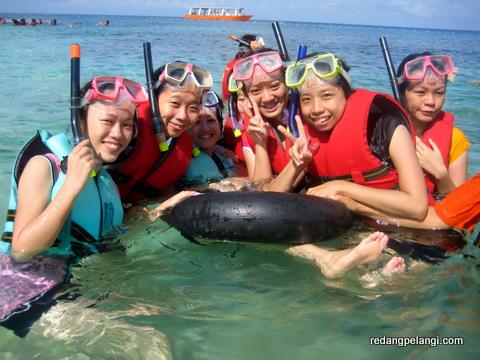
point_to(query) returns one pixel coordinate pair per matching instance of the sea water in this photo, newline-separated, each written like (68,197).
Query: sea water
(167,297)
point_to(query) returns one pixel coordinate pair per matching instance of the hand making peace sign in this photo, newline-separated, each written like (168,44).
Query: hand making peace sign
(257,127)
(301,152)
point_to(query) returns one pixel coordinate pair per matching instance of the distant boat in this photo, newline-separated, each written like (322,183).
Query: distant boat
(217,13)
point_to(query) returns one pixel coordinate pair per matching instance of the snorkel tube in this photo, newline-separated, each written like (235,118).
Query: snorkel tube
(157,124)
(390,68)
(280,41)
(237,123)
(240,41)
(77,131)
(292,111)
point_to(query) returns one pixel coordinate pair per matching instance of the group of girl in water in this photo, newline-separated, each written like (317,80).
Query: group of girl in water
(383,159)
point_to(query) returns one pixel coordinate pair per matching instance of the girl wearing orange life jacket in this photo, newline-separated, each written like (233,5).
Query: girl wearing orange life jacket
(442,149)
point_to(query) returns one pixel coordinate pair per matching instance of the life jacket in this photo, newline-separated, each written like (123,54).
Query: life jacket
(344,153)
(204,169)
(147,171)
(96,212)
(440,131)
(277,154)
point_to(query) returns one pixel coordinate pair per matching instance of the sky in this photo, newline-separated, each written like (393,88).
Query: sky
(437,14)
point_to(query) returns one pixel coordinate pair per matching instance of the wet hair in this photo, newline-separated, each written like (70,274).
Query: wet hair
(341,81)
(404,84)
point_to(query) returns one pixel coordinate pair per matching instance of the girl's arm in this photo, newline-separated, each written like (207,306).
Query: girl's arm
(410,201)
(38,222)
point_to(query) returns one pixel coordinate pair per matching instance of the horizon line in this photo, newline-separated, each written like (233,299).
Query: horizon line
(290,21)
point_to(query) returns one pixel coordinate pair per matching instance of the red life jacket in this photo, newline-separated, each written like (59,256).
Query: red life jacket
(344,153)
(440,131)
(147,171)
(278,156)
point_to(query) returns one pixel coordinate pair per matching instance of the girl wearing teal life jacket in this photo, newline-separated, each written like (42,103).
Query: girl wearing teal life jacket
(56,205)
(211,162)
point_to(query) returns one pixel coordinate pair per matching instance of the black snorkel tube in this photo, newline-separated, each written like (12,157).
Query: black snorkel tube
(390,67)
(282,49)
(292,110)
(77,130)
(157,123)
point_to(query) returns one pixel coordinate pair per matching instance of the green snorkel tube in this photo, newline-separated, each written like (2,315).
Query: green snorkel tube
(293,107)
(77,130)
(390,67)
(157,124)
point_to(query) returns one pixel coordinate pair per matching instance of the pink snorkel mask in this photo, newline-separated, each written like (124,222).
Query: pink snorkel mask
(440,65)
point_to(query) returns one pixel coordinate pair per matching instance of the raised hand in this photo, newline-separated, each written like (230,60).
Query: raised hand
(80,165)
(300,152)
(257,127)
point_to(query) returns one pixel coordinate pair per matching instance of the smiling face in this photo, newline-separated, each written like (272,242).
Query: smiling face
(179,108)
(206,131)
(110,129)
(424,100)
(269,91)
(322,103)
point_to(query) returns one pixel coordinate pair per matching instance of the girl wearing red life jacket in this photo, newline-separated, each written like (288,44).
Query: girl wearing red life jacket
(364,150)
(150,170)
(442,149)
(260,76)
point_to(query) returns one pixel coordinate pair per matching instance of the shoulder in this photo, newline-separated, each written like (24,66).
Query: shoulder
(37,172)
(460,144)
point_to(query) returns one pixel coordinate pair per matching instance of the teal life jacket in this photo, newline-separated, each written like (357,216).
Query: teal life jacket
(204,169)
(97,210)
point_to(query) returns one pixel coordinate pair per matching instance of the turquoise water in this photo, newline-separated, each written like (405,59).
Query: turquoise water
(165,296)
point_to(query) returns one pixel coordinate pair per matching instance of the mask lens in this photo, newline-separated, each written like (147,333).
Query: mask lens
(176,71)
(269,62)
(443,64)
(233,85)
(415,69)
(203,77)
(243,69)
(136,91)
(210,99)
(295,73)
(324,67)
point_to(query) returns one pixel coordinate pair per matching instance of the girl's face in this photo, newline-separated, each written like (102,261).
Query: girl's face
(179,108)
(206,131)
(423,100)
(269,91)
(322,103)
(110,128)
(242,101)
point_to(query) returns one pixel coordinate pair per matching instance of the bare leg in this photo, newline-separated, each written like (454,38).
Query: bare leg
(334,264)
